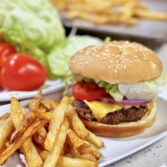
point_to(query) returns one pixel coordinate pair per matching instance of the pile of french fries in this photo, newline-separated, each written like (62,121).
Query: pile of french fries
(50,134)
(127,12)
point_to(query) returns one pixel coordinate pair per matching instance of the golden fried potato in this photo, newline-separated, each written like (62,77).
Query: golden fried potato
(6,129)
(53,156)
(76,154)
(71,162)
(31,154)
(80,129)
(55,123)
(17,113)
(20,140)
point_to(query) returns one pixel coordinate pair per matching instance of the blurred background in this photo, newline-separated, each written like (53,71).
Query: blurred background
(51,31)
(144,21)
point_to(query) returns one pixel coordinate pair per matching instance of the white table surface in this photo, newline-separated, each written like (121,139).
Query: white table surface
(152,156)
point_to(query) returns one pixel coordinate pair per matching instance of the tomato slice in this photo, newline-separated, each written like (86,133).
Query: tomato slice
(6,50)
(87,91)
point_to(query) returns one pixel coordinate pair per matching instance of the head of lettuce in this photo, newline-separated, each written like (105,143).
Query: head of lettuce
(34,27)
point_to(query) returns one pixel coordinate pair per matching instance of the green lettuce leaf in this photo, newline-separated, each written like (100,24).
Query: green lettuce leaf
(144,90)
(32,26)
(112,89)
(58,59)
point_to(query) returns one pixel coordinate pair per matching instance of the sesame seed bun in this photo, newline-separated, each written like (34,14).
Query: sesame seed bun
(123,129)
(116,62)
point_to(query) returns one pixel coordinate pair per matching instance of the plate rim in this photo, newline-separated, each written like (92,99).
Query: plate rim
(23,95)
(148,141)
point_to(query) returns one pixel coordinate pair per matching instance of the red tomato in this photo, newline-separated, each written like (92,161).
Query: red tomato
(6,50)
(87,91)
(22,72)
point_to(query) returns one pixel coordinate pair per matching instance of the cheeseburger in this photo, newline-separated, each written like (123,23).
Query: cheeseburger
(117,83)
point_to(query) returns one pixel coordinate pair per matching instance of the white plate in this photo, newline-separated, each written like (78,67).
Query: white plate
(49,87)
(116,149)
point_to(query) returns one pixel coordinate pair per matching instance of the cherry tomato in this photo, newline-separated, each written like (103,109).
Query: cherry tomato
(6,50)
(87,91)
(22,72)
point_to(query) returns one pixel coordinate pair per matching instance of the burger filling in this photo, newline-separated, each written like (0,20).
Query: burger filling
(115,103)
(104,114)
(146,90)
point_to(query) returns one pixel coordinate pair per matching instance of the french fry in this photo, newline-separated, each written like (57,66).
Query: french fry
(34,104)
(34,107)
(77,125)
(53,156)
(80,129)
(92,138)
(29,119)
(42,132)
(5,116)
(100,19)
(95,5)
(119,2)
(76,154)
(90,17)
(87,148)
(88,8)
(28,148)
(55,123)
(83,133)
(20,140)
(151,14)
(43,115)
(17,113)
(49,104)
(30,152)
(74,140)
(6,129)
(141,5)
(71,162)
(129,9)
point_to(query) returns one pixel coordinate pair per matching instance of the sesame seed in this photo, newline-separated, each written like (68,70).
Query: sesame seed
(153,65)
(144,58)
(124,67)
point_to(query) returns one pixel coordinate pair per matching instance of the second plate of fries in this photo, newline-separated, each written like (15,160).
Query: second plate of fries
(49,133)
(118,17)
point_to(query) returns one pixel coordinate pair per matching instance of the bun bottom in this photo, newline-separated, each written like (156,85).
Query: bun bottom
(123,129)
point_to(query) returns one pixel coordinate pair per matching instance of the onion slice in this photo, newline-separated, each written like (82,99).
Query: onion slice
(124,101)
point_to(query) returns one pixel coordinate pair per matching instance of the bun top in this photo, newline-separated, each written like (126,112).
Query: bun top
(116,62)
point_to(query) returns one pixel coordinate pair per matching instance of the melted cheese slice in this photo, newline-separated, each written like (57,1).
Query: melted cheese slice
(101,109)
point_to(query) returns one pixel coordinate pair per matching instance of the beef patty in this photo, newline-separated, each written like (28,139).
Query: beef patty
(131,114)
